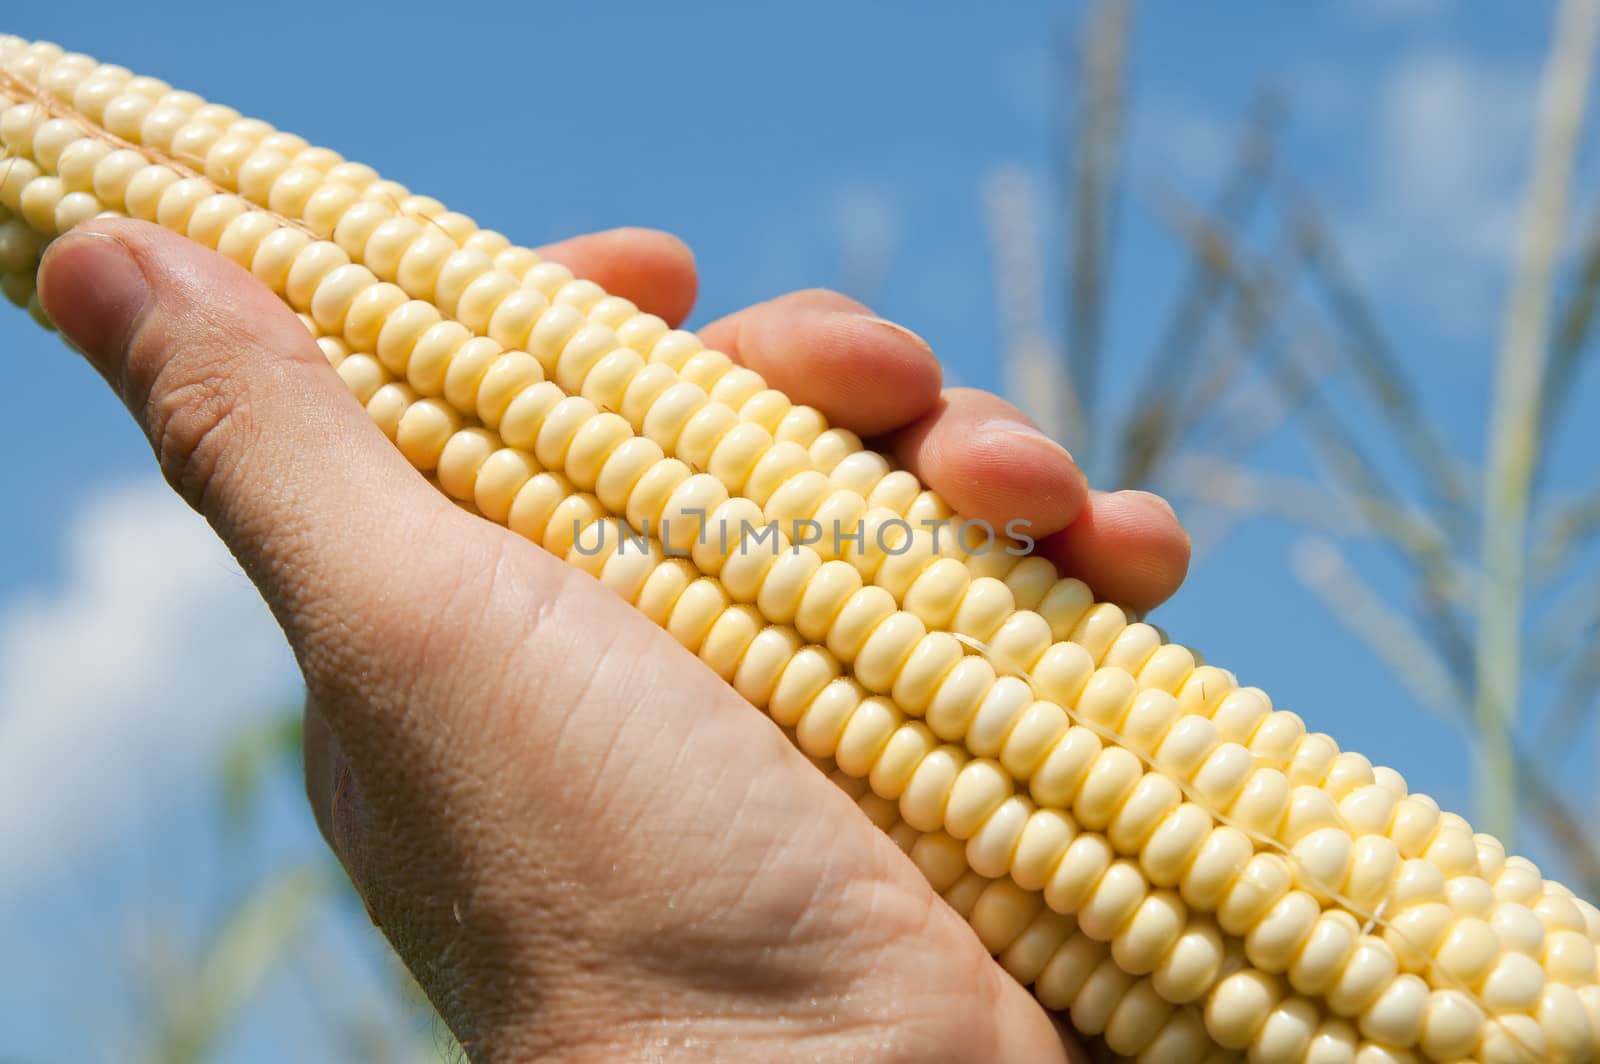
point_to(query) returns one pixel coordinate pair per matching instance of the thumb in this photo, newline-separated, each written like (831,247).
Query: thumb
(245,416)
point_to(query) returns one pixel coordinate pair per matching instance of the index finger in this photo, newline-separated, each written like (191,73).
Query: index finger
(825,350)
(653,269)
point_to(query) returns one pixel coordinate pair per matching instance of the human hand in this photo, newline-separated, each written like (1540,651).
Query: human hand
(583,843)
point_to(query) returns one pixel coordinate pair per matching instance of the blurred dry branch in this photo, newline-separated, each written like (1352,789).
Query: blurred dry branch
(1365,487)
(1570,340)
(1095,158)
(1387,632)
(1376,365)
(1515,425)
(1273,334)
(1569,524)
(1161,409)
(1232,486)
(1244,409)
(1032,367)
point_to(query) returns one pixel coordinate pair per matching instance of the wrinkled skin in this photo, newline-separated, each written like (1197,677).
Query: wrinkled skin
(584,844)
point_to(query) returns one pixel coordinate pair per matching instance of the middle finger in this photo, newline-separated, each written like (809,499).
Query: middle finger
(828,351)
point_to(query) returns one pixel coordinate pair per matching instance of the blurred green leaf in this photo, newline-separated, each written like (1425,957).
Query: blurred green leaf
(269,744)
(257,933)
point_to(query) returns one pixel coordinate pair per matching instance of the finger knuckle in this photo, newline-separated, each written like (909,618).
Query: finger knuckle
(197,424)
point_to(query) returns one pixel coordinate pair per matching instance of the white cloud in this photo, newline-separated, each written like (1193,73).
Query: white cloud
(1447,136)
(1453,138)
(119,688)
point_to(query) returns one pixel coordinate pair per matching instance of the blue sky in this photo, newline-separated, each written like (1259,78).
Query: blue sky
(830,144)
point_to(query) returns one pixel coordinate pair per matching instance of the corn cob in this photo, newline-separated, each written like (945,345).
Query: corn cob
(1308,903)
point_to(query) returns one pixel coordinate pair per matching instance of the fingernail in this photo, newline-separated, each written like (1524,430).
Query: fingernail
(896,327)
(95,294)
(1020,430)
(1153,498)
